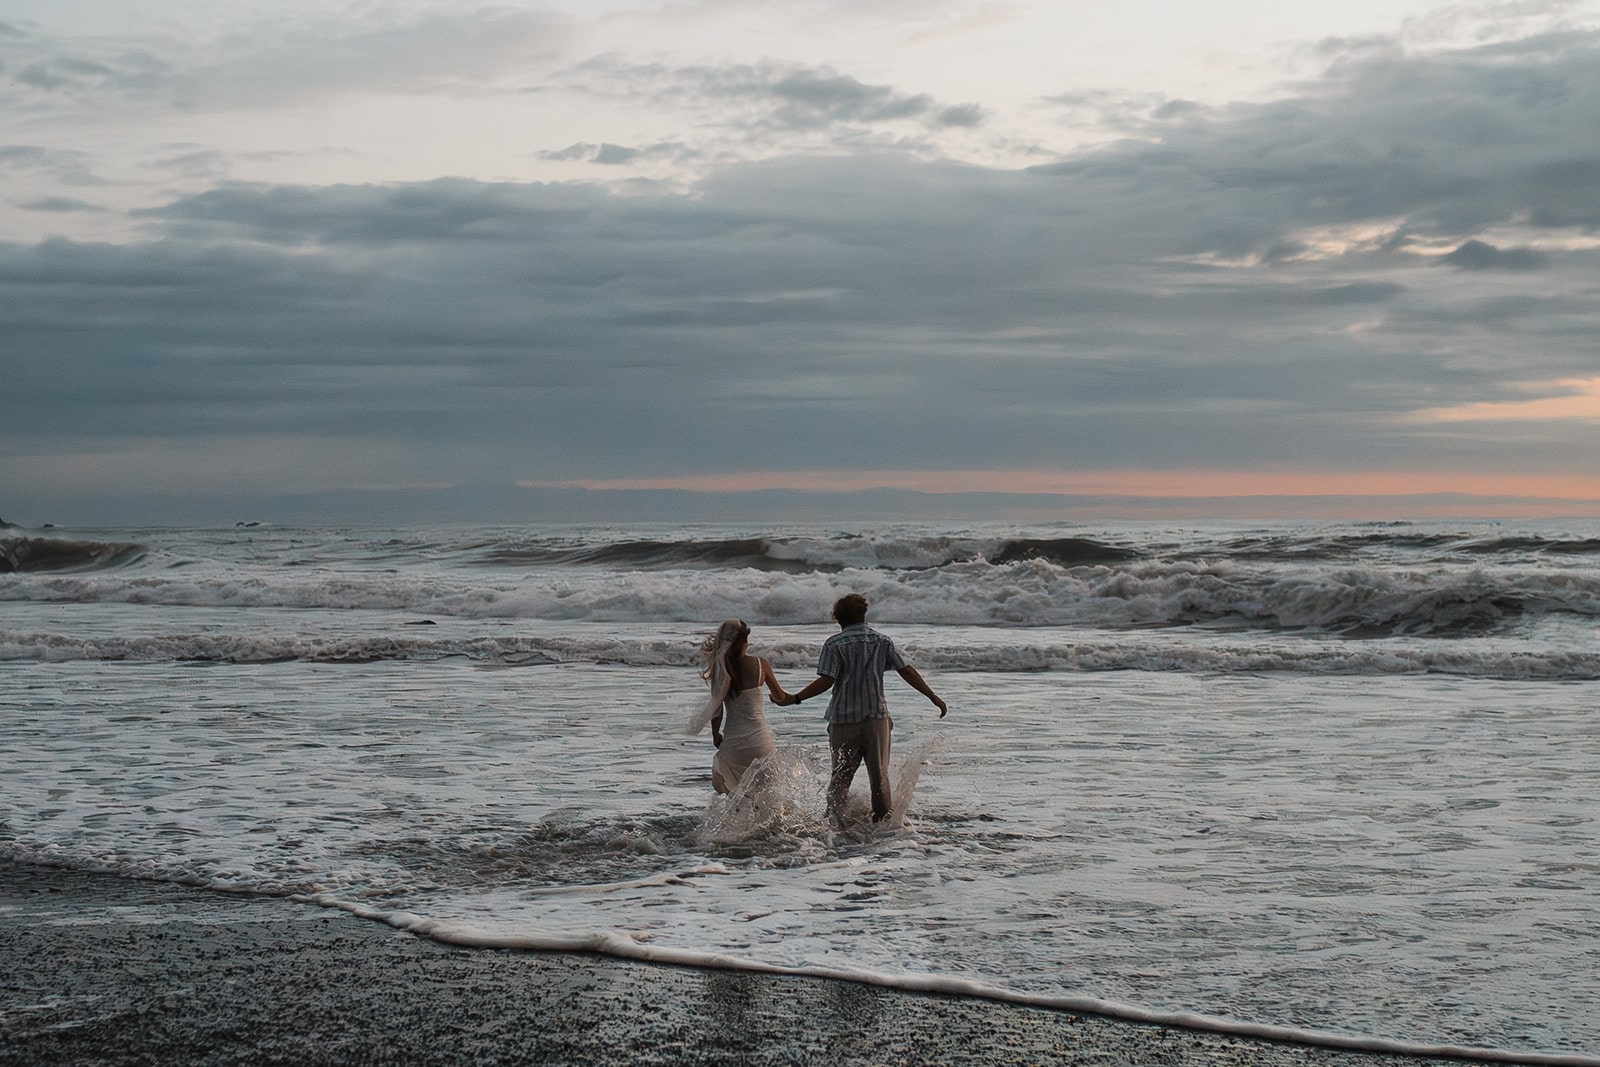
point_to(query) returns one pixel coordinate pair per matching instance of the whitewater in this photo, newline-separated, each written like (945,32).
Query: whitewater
(1332,781)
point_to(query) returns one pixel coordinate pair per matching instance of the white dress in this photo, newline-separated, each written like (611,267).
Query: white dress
(746,737)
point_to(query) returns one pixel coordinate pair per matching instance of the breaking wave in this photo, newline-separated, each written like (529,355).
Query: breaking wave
(21,555)
(1119,652)
(1356,601)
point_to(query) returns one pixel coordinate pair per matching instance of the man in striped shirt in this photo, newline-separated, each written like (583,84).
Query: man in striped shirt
(852,665)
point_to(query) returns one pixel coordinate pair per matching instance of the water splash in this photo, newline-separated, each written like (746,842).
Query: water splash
(782,800)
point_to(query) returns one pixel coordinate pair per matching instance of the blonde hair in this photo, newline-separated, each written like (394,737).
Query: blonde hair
(730,640)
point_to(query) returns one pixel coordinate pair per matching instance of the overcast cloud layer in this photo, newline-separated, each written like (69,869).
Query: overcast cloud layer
(1390,266)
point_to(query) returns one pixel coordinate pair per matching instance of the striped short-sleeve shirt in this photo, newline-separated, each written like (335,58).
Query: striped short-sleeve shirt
(855,658)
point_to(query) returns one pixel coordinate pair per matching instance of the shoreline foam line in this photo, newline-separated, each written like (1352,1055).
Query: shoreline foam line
(621,945)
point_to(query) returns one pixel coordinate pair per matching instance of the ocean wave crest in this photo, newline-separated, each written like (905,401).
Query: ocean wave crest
(801,554)
(1092,653)
(1356,600)
(911,550)
(23,555)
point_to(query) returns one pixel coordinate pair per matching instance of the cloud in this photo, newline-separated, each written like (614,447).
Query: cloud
(773,100)
(466,51)
(60,204)
(1125,112)
(614,154)
(380,215)
(80,75)
(285,60)
(1479,255)
(1242,288)
(1450,143)
(967,116)
(607,154)
(1573,399)
(1564,190)
(68,166)
(582,150)
(810,97)
(46,71)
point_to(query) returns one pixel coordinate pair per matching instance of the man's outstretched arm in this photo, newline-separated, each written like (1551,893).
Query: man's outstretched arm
(821,685)
(914,680)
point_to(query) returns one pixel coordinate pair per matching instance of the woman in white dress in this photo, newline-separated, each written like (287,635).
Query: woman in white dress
(738,727)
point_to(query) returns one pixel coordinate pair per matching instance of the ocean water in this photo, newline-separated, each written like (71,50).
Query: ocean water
(1320,779)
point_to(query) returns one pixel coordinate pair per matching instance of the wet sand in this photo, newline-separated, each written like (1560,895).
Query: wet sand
(104,970)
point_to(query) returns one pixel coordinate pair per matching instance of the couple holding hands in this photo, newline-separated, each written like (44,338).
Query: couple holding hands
(850,668)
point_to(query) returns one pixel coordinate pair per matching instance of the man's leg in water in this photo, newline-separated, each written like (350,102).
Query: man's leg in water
(844,739)
(875,751)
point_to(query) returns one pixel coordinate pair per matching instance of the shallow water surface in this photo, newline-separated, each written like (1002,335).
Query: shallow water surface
(1393,836)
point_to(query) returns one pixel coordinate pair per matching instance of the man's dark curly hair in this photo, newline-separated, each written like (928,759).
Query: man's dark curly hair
(850,609)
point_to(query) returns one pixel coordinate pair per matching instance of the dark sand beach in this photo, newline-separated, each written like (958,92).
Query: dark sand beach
(103,970)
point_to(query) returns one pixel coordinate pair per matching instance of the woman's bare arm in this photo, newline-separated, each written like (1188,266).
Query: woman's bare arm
(779,697)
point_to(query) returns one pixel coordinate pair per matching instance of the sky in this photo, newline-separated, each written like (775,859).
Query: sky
(263,259)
